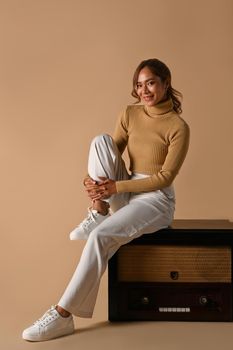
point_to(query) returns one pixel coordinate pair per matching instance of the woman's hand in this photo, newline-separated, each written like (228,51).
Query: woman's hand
(102,190)
(91,188)
(107,188)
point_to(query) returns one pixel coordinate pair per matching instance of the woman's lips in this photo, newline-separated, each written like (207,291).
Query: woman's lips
(147,98)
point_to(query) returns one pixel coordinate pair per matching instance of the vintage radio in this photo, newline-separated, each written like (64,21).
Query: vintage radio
(182,273)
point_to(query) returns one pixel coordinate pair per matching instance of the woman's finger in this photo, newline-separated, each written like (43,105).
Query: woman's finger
(95,197)
(92,187)
(95,194)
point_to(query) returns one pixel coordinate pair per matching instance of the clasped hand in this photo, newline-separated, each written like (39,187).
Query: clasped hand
(101,190)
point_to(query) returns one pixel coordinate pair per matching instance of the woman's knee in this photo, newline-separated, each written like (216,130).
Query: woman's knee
(102,139)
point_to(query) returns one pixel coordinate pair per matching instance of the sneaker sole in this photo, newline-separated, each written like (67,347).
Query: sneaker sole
(36,339)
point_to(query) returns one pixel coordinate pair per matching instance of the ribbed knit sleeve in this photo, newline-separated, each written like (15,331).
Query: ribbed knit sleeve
(120,134)
(178,138)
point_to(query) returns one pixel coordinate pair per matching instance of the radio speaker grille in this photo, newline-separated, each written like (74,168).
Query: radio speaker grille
(154,263)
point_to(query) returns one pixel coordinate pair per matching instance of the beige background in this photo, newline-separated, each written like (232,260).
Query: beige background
(65,73)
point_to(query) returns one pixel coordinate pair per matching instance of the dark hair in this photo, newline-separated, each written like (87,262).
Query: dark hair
(160,69)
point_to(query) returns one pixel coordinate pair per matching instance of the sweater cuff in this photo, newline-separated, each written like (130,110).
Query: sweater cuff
(121,186)
(137,185)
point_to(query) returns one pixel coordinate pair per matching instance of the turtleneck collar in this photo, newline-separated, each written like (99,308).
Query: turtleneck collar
(160,108)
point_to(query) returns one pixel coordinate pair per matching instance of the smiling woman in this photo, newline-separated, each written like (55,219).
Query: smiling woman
(142,200)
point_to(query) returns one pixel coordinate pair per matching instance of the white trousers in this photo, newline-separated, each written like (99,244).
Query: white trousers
(134,215)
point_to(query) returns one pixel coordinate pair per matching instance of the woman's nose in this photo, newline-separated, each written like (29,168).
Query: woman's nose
(145,88)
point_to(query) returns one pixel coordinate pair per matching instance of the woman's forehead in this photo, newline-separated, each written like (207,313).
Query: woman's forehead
(145,76)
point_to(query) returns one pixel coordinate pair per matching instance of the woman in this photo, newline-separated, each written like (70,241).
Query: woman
(157,140)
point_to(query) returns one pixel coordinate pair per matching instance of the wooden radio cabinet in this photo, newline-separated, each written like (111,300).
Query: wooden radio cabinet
(183,272)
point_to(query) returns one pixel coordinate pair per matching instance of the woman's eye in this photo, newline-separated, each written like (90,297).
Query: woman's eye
(138,86)
(150,83)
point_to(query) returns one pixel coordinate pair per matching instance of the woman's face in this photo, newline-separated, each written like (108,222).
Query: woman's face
(150,89)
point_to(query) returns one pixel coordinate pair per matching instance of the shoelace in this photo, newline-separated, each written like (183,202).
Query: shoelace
(46,317)
(90,218)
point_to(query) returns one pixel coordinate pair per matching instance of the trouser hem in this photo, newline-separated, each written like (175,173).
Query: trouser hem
(79,313)
(82,314)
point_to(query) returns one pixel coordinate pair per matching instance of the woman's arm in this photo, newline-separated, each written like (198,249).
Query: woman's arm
(177,150)
(120,134)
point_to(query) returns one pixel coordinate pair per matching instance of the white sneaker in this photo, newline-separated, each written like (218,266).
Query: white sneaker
(87,225)
(51,325)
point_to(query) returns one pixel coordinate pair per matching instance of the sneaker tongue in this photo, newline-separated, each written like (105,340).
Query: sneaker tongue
(48,313)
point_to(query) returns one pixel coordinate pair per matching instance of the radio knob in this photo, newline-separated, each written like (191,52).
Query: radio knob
(145,300)
(203,300)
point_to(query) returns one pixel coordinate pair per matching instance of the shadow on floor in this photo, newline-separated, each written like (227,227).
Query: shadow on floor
(102,325)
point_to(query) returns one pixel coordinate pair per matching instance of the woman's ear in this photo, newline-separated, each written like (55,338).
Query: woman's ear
(167,84)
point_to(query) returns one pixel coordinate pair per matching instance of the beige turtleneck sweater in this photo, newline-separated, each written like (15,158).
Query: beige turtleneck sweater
(157,139)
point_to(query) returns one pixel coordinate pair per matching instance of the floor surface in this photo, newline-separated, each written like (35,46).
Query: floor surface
(98,333)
